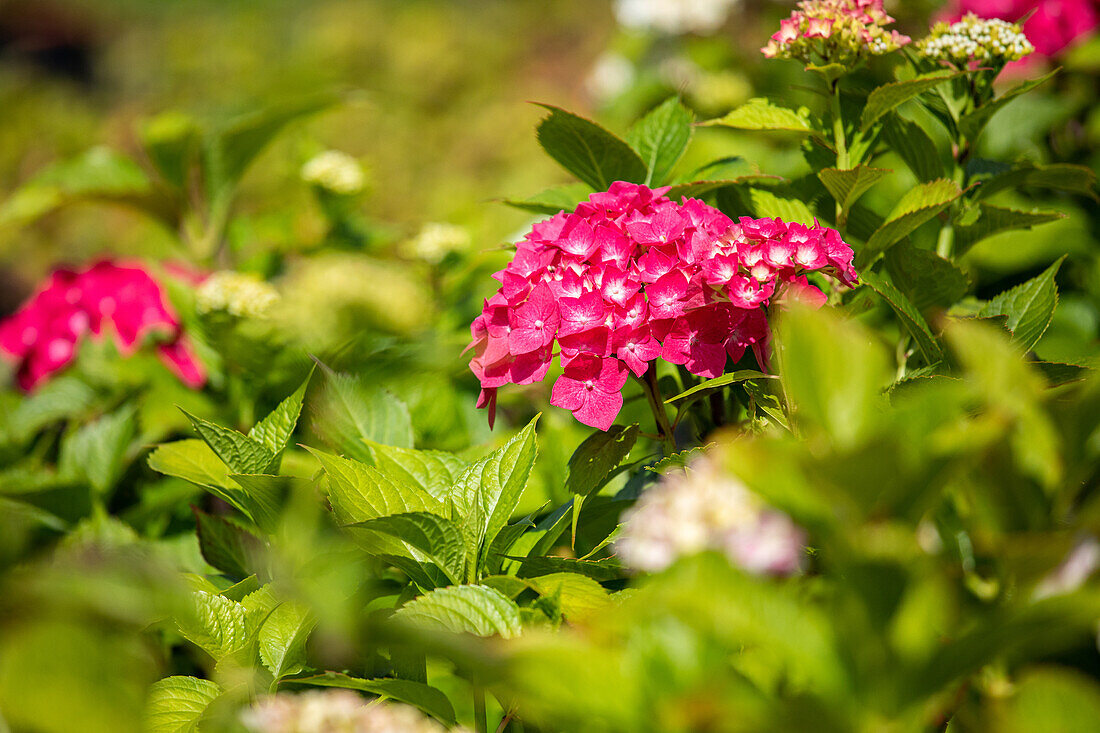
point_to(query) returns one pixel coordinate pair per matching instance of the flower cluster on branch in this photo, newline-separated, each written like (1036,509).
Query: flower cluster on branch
(835,32)
(976,41)
(632,276)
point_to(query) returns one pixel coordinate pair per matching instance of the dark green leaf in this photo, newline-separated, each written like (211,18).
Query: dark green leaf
(927,279)
(973,123)
(588,151)
(915,208)
(1058,176)
(994,220)
(239,452)
(1029,307)
(228,546)
(600,454)
(438,538)
(846,186)
(909,316)
(890,96)
(915,147)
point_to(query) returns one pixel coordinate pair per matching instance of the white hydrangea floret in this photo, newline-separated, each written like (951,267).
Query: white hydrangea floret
(674,17)
(239,294)
(335,171)
(436,240)
(335,710)
(976,40)
(705,508)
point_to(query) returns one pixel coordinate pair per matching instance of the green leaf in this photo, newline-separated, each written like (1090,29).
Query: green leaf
(915,208)
(176,704)
(171,140)
(97,451)
(359,492)
(489,490)
(767,396)
(1057,373)
(1053,700)
(766,204)
(429,699)
(761,114)
(833,373)
(1057,176)
(57,400)
(661,137)
(1029,307)
(239,452)
(972,124)
(994,220)
(578,595)
(438,538)
(274,431)
(553,200)
(346,413)
(846,186)
(193,460)
(603,570)
(263,496)
(226,545)
(909,316)
(915,147)
(232,150)
(710,385)
(929,281)
(474,609)
(217,625)
(594,460)
(588,151)
(890,96)
(697,189)
(434,471)
(283,638)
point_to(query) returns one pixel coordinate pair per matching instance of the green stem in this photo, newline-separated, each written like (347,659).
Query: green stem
(841,141)
(657,405)
(481,721)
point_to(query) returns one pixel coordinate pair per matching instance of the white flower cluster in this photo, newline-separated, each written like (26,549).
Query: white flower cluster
(974,39)
(236,293)
(674,17)
(335,171)
(705,508)
(435,240)
(334,711)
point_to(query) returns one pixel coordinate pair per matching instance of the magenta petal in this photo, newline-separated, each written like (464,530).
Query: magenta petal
(182,361)
(568,394)
(600,409)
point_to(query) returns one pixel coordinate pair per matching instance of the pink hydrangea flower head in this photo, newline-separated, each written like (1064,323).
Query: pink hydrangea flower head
(842,32)
(121,299)
(630,277)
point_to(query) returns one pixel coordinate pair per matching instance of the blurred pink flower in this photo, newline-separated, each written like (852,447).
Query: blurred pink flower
(1055,25)
(43,336)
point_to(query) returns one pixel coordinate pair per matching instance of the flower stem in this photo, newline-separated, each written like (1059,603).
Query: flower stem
(657,405)
(842,161)
(481,722)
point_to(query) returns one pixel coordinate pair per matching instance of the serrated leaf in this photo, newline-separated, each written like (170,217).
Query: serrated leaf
(217,625)
(890,96)
(909,316)
(1028,307)
(972,125)
(97,451)
(587,150)
(263,496)
(193,460)
(603,570)
(438,538)
(678,460)
(1057,373)
(914,209)
(996,219)
(915,147)
(578,595)
(359,492)
(928,280)
(283,638)
(766,204)
(474,609)
(347,412)
(846,186)
(696,189)
(489,490)
(1057,176)
(239,452)
(434,471)
(661,137)
(553,200)
(227,546)
(176,704)
(429,699)
(502,544)
(595,458)
(767,396)
(761,114)
(274,431)
(710,385)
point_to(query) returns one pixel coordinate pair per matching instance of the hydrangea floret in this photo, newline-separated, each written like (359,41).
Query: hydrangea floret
(631,276)
(43,336)
(239,294)
(335,171)
(338,711)
(704,508)
(1051,25)
(842,32)
(975,41)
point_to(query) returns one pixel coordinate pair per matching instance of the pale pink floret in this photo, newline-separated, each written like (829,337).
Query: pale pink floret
(631,277)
